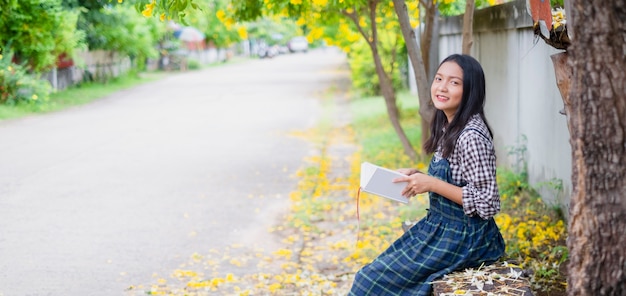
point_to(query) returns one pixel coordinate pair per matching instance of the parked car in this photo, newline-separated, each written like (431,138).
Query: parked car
(266,51)
(298,44)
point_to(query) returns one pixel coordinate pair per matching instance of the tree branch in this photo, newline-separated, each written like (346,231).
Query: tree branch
(355,19)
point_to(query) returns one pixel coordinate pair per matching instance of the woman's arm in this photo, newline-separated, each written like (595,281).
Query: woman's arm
(478,163)
(480,195)
(420,183)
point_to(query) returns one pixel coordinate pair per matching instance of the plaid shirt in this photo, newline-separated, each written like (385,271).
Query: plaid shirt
(473,163)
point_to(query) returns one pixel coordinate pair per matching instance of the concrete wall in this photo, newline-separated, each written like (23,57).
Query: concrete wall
(97,65)
(523,101)
(100,65)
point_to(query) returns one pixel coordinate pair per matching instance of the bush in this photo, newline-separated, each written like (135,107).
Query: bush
(364,77)
(18,86)
(39,31)
(193,64)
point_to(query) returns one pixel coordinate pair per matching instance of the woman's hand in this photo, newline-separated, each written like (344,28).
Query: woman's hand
(407,171)
(417,183)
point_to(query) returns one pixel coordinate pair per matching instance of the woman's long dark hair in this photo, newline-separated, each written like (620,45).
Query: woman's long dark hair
(472,102)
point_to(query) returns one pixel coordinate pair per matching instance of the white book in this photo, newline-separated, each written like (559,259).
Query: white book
(378,180)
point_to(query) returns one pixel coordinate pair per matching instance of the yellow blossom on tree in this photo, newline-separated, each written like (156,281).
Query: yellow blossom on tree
(221,15)
(296,2)
(362,22)
(320,2)
(316,33)
(243,33)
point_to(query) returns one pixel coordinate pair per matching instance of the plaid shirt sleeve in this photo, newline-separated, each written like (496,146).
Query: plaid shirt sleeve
(477,161)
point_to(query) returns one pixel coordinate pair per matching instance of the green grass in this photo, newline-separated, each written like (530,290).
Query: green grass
(78,95)
(375,133)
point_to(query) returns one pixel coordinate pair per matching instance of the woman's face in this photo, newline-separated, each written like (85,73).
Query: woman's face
(447,89)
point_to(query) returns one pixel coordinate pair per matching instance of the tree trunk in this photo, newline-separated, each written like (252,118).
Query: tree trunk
(468,29)
(596,114)
(419,70)
(430,7)
(386,87)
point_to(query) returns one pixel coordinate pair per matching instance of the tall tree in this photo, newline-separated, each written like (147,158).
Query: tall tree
(468,23)
(371,36)
(416,57)
(596,114)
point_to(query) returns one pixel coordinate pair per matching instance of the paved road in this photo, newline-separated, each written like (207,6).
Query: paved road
(100,197)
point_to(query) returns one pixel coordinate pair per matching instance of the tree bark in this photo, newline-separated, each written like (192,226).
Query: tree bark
(468,29)
(563,75)
(430,8)
(386,87)
(419,70)
(596,114)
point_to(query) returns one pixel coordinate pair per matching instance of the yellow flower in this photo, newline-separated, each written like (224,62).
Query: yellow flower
(230,278)
(284,253)
(296,2)
(221,15)
(274,287)
(236,262)
(34,97)
(243,34)
(147,12)
(162,17)
(362,22)
(217,281)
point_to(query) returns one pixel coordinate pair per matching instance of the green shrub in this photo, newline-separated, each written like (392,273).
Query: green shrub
(18,86)
(193,64)
(363,71)
(39,31)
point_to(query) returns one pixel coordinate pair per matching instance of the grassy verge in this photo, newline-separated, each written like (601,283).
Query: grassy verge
(78,95)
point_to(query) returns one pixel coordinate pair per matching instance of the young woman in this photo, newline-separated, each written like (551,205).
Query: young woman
(459,231)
